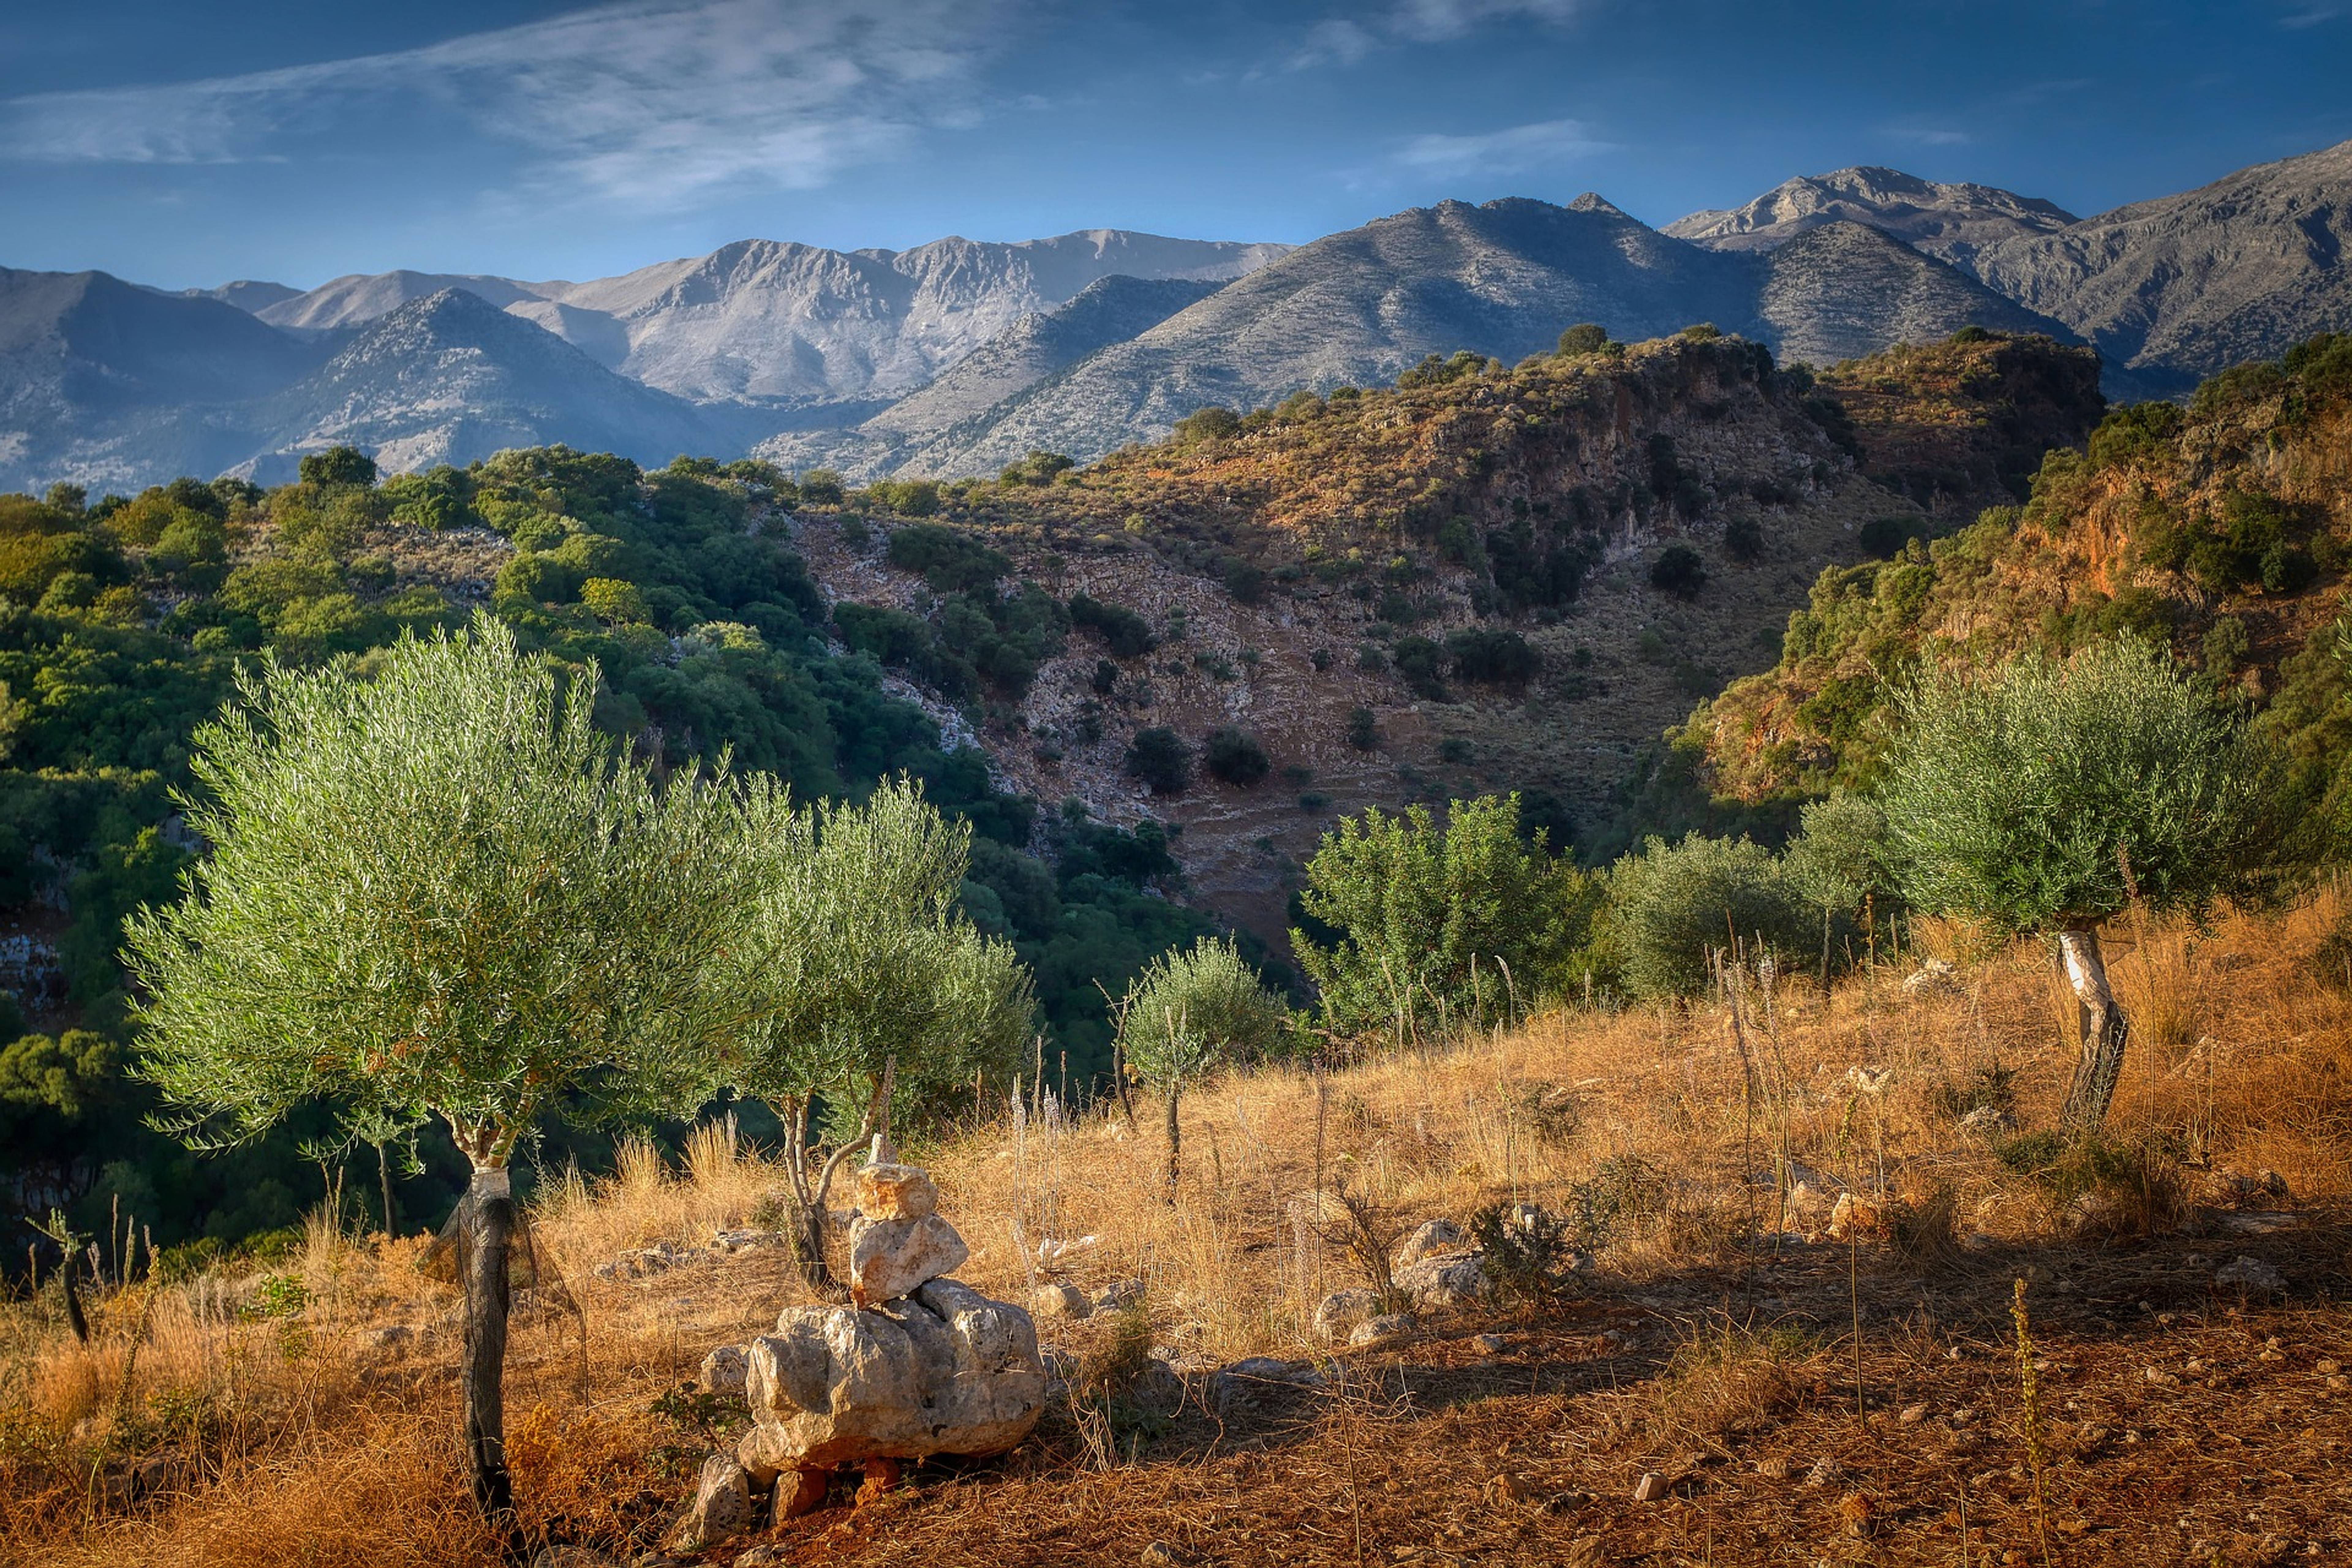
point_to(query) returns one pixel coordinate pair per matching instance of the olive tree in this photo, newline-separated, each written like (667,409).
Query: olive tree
(437,892)
(1192,1010)
(2046,797)
(861,980)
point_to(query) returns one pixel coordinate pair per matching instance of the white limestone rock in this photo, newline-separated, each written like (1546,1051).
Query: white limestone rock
(945,1370)
(893,1258)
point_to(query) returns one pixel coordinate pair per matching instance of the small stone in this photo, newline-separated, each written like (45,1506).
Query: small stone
(1381,1330)
(1061,1302)
(1585,1551)
(1934,975)
(2252,1275)
(1118,1296)
(724,1371)
(1342,1310)
(896,1192)
(1772,1468)
(1432,1237)
(1163,1554)
(1825,1472)
(722,1506)
(1492,1344)
(1913,1415)
(1510,1487)
(1650,1487)
(800,1494)
(2329,1365)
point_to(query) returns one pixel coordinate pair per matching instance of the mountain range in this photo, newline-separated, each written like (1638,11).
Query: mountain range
(959,356)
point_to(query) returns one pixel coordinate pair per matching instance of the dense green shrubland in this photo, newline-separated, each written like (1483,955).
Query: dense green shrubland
(123,622)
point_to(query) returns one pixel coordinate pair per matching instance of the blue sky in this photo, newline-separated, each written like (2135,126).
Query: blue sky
(185,144)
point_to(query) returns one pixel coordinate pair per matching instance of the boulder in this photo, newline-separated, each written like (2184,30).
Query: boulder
(722,1506)
(1373,1332)
(896,1192)
(1341,1311)
(724,1370)
(1436,1235)
(1445,1280)
(944,1371)
(890,1258)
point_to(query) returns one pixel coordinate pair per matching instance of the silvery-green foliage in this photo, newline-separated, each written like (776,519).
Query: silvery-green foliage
(433,890)
(1191,1009)
(1841,853)
(855,955)
(2045,794)
(1673,905)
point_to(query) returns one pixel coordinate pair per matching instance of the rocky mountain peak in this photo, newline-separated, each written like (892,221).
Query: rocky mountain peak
(1951,221)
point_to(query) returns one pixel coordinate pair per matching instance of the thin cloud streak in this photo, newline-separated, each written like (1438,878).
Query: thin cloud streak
(1342,41)
(647,104)
(1508,151)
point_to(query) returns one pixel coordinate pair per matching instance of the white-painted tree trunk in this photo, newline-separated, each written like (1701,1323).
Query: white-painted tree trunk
(2104,1028)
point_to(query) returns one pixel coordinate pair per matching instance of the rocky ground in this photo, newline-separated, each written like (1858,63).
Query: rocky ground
(1810,1403)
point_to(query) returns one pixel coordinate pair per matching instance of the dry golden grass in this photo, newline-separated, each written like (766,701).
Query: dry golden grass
(302,1437)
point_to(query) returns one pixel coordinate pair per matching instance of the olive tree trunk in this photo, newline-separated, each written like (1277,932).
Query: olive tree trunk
(487,1228)
(1175,1141)
(2105,1030)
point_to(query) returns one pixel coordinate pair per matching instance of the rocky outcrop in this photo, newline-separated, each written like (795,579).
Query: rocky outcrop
(917,1365)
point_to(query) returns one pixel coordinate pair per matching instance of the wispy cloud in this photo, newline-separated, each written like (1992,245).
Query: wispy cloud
(1508,151)
(2310,16)
(1344,41)
(657,103)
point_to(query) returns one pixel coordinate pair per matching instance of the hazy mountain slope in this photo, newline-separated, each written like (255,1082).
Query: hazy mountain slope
(1842,289)
(1106,312)
(1952,222)
(360,298)
(765,318)
(2189,285)
(450,378)
(1501,280)
(245,294)
(103,381)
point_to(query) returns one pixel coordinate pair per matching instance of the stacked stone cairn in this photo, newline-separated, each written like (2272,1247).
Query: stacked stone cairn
(916,1364)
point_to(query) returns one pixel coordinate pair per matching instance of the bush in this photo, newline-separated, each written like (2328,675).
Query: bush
(1743,539)
(1128,635)
(1234,757)
(949,560)
(337,466)
(1160,758)
(1584,337)
(1493,658)
(907,498)
(1678,571)
(822,487)
(1418,661)
(1363,728)
(1211,424)
(1670,906)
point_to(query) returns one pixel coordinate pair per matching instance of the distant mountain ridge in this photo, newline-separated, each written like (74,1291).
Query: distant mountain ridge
(1949,222)
(1501,278)
(959,356)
